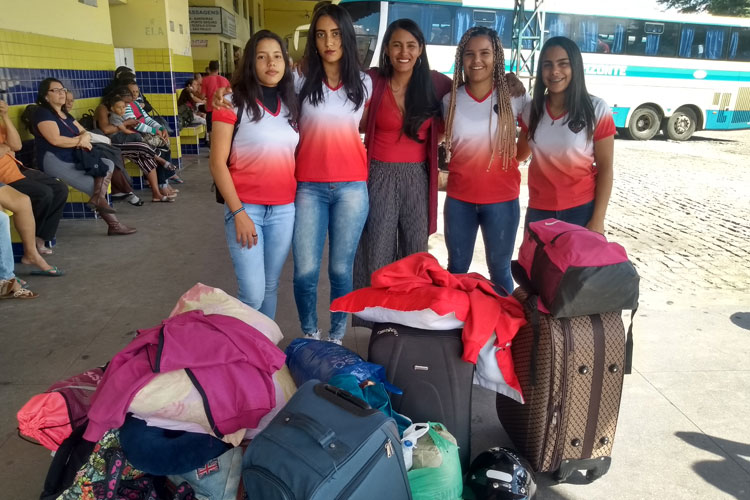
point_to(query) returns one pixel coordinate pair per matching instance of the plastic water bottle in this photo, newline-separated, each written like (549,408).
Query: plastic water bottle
(407,447)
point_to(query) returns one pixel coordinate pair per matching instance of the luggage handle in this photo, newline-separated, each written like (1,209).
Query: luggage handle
(344,399)
(324,436)
(628,368)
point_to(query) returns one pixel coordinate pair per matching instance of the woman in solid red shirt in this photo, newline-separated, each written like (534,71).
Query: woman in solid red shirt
(401,136)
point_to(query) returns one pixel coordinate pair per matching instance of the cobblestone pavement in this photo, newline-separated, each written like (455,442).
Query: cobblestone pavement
(681,209)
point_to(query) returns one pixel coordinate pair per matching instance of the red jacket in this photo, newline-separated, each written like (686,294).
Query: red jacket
(418,282)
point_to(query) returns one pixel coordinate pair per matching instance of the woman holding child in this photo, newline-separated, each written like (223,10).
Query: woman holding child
(110,119)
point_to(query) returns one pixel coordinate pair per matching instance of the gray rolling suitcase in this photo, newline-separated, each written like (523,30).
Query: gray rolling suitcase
(326,444)
(427,366)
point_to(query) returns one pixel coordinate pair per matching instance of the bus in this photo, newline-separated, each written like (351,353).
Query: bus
(673,72)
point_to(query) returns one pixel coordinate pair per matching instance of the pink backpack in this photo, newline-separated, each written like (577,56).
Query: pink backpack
(50,417)
(575,272)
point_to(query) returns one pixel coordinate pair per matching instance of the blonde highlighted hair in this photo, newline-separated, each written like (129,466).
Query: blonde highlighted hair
(503,143)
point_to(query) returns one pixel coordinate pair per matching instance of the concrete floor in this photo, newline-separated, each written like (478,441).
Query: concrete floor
(683,430)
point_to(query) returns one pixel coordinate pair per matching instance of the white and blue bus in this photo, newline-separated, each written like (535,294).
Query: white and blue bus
(659,71)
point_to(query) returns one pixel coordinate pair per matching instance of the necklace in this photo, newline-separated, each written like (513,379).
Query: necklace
(394,90)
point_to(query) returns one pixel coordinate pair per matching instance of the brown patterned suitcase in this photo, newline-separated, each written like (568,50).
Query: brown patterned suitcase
(572,391)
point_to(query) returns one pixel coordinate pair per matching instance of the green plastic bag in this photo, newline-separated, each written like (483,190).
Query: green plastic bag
(438,483)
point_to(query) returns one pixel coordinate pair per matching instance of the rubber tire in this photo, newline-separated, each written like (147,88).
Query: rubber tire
(674,120)
(646,116)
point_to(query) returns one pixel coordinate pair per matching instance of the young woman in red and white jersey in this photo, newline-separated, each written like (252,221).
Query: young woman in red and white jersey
(255,171)
(570,135)
(480,141)
(331,165)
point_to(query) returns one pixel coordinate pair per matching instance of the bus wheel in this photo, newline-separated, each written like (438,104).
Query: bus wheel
(644,123)
(681,125)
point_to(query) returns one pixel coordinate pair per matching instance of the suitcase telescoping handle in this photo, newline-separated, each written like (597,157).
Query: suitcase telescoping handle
(344,399)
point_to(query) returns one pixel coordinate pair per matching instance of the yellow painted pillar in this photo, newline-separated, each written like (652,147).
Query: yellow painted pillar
(158,32)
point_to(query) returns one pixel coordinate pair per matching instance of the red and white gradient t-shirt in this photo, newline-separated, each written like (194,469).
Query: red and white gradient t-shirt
(562,174)
(470,180)
(330,147)
(262,158)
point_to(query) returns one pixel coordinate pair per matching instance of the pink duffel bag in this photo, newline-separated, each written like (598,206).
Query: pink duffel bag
(574,271)
(50,417)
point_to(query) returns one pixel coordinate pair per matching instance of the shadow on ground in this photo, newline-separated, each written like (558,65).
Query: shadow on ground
(741,319)
(710,470)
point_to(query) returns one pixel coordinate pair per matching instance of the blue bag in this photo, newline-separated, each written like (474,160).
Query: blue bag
(326,444)
(375,395)
(310,359)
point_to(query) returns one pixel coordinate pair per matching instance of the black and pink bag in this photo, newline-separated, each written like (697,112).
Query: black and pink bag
(574,271)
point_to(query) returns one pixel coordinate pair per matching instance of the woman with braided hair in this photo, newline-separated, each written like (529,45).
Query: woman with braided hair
(480,142)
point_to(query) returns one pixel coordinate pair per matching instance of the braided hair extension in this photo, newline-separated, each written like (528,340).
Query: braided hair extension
(504,142)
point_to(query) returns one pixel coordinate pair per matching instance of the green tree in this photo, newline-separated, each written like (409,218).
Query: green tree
(716,7)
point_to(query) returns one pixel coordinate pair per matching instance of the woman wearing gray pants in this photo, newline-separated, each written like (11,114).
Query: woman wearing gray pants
(58,137)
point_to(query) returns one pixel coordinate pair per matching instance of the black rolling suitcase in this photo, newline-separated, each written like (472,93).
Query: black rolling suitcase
(427,366)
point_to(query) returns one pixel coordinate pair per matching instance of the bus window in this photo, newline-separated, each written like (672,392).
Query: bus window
(587,35)
(441,26)
(611,36)
(703,42)
(739,44)
(435,21)
(559,25)
(652,39)
(499,20)
(366,20)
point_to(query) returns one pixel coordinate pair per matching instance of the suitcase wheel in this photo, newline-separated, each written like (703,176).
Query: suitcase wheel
(594,467)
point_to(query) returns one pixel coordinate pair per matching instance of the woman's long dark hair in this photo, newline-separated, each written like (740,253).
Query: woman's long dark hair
(577,99)
(420,100)
(185,94)
(116,95)
(349,65)
(42,93)
(246,87)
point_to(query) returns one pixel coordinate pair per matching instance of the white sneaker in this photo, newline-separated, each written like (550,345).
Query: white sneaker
(314,335)
(334,341)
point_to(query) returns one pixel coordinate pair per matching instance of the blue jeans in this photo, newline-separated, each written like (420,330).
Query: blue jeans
(258,268)
(499,223)
(580,215)
(339,209)
(6,249)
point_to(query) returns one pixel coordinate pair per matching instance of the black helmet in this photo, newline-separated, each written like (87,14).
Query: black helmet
(501,474)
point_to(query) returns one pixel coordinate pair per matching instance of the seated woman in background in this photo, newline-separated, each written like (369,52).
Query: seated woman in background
(46,193)
(23,219)
(58,136)
(110,120)
(70,99)
(153,132)
(187,105)
(10,286)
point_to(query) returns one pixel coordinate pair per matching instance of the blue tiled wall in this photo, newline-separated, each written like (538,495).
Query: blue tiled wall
(22,84)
